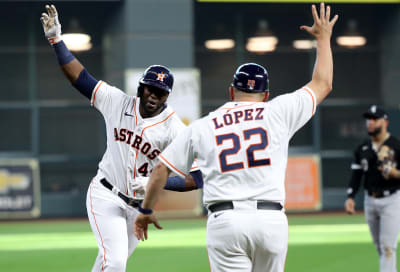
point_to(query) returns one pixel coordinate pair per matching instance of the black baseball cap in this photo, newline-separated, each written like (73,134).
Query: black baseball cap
(375,112)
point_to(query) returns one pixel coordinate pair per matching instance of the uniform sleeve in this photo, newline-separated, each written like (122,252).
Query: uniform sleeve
(179,155)
(356,175)
(178,127)
(107,98)
(295,109)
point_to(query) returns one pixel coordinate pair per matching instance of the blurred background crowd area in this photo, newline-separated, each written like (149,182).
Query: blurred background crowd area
(43,117)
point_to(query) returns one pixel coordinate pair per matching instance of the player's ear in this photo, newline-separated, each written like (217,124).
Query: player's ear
(266,96)
(231,93)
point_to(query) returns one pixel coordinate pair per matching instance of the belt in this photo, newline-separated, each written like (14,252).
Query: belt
(128,200)
(261,205)
(381,194)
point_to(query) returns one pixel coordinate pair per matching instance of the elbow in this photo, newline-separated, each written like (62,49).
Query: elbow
(329,87)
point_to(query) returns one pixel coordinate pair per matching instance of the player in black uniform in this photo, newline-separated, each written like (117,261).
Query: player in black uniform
(376,161)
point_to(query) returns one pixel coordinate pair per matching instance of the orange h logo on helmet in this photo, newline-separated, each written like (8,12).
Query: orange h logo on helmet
(161,76)
(251,83)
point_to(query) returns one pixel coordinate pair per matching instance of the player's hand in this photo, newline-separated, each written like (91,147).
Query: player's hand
(349,206)
(141,225)
(322,27)
(388,169)
(51,24)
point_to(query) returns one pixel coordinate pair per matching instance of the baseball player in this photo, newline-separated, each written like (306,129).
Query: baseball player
(242,150)
(138,130)
(377,161)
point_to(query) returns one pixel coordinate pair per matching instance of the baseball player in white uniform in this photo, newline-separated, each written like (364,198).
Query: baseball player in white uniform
(138,129)
(242,150)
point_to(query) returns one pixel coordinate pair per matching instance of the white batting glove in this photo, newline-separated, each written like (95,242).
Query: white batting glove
(51,25)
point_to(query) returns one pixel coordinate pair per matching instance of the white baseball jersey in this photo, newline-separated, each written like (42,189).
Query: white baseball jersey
(242,147)
(133,142)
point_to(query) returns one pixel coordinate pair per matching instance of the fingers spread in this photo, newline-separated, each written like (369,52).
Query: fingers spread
(333,21)
(306,28)
(145,234)
(54,10)
(138,232)
(328,13)
(157,225)
(322,11)
(314,13)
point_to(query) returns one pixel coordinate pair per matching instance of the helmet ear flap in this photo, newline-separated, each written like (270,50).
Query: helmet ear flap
(139,91)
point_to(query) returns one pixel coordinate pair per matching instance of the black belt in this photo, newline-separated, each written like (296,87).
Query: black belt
(380,194)
(261,205)
(128,200)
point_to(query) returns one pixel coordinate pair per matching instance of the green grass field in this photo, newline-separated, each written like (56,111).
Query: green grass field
(317,243)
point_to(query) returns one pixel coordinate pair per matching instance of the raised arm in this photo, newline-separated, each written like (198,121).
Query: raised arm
(72,68)
(321,30)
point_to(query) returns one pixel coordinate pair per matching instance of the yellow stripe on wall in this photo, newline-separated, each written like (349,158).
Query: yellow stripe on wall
(304,1)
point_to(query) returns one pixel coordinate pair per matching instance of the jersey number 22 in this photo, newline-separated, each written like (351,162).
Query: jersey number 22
(251,161)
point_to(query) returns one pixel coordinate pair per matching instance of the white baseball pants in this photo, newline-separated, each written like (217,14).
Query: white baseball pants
(112,222)
(247,240)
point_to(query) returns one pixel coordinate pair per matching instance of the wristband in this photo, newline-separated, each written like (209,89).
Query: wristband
(64,56)
(144,211)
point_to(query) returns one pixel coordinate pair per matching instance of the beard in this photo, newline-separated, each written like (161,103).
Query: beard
(375,132)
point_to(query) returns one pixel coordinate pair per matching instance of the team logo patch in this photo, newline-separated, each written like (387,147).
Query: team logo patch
(251,83)
(161,76)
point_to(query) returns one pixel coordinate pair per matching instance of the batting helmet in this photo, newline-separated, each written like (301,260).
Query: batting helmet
(157,76)
(251,78)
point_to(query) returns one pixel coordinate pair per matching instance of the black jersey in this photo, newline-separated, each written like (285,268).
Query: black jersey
(365,165)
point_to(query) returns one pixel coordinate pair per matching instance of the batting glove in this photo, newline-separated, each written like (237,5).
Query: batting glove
(51,25)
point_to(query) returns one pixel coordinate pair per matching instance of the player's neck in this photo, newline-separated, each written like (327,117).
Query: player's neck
(249,99)
(380,138)
(145,114)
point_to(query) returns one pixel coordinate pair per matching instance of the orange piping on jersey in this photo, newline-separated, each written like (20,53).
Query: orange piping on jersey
(312,97)
(95,92)
(241,106)
(194,167)
(170,164)
(141,135)
(97,227)
(134,106)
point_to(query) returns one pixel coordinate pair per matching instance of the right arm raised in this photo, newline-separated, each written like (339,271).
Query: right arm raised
(72,68)
(321,30)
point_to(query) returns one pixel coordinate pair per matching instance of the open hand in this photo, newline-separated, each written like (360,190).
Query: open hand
(322,27)
(51,25)
(141,225)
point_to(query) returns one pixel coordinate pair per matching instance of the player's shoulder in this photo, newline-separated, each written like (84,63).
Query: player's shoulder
(394,142)
(111,89)
(363,146)
(170,118)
